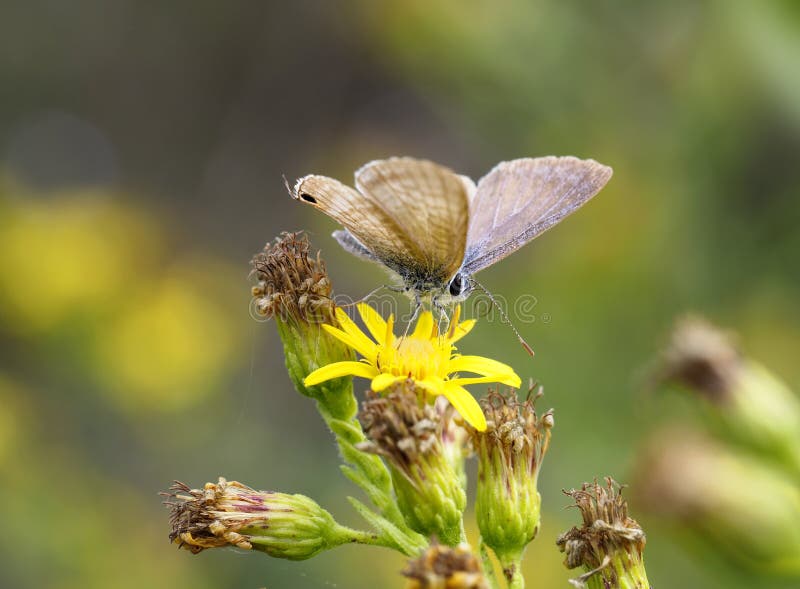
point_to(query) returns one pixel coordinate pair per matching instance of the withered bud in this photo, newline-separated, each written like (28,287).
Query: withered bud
(232,514)
(609,544)
(407,431)
(510,454)
(701,357)
(745,400)
(740,504)
(294,289)
(292,283)
(442,567)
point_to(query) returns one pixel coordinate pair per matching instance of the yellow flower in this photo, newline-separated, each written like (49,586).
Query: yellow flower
(426,356)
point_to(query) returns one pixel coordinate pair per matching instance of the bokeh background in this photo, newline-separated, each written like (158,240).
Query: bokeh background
(141,153)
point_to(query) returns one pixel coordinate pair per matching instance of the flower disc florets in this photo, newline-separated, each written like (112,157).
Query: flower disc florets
(441,567)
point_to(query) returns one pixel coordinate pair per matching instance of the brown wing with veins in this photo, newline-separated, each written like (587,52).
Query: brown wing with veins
(411,214)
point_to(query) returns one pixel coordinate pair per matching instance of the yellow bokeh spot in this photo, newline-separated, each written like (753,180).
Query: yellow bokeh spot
(168,349)
(66,255)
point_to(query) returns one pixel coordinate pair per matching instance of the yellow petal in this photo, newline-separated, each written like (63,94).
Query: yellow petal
(424,327)
(383,381)
(466,405)
(478,365)
(388,339)
(338,369)
(374,322)
(432,386)
(511,380)
(356,340)
(462,329)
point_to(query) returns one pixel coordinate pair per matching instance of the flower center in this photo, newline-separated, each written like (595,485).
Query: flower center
(415,357)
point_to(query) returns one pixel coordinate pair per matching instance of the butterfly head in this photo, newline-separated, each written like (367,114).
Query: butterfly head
(460,286)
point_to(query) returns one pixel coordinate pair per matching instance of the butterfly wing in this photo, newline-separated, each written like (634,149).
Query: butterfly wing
(412,215)
(351,245)
(521,199)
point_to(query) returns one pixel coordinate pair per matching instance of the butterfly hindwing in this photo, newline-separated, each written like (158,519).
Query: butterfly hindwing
(520,199)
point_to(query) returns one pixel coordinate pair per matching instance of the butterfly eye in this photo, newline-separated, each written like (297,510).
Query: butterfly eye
(308,198)
(456,285)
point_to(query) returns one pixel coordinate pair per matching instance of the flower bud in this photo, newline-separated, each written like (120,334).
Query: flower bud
(510,453)
(609,544)
(231,514)
(745,400)
(403,428)
(737,503)
(294,289)
(442,567)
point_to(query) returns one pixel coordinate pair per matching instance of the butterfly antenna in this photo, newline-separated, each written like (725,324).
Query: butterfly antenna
(504,317)
(286,184)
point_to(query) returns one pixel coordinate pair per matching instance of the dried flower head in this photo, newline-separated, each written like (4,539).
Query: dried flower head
(407,431)
(232,514)
(701,357)
(514,429)
(442,567)
(609,544)
(510,454)
(292,284)
(401,426)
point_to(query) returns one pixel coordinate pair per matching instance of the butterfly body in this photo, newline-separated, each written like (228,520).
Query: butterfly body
(435,228)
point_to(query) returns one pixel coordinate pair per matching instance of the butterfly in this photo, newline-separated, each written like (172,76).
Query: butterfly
(435,228)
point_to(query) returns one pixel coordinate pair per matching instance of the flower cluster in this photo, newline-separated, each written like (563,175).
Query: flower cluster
(406,448)
(713,476)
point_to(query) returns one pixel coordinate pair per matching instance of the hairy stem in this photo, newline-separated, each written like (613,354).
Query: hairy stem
(370,473)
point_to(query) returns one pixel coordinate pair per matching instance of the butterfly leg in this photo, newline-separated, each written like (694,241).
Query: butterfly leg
(417,307)
(441,311)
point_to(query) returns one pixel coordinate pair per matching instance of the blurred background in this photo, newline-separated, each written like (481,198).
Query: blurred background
(141,153)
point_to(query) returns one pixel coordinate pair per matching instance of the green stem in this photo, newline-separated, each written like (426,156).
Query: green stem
(488,566)
(514,575)
(366,470)
(370,473)
(351,536)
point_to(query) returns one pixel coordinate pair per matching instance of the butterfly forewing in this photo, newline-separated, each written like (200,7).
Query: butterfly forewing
(520,199)
(411,214)
(362,217)
(430,202)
